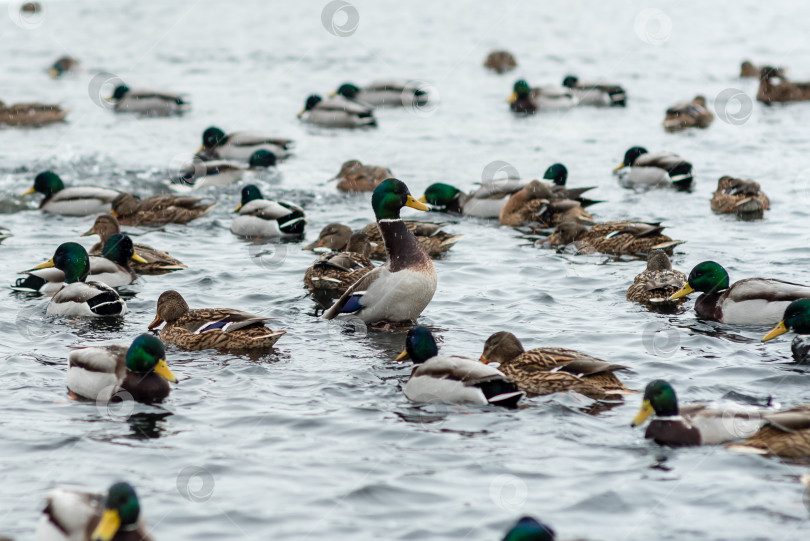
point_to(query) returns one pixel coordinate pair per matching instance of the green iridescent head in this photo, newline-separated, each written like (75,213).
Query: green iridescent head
(530,529)
(632,155)
(145,353)
(440,194)
(119,92)
(119,249)
(262,158)
(659,398)
(557,173)
(212,137)
(390,196)
(250,193)
(797,316)
(708,277)
(521,88)
(420,344)
(47,183)
(121,511)
(72,259)
(348,90)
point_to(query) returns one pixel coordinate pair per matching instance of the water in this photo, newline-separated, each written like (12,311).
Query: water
(316,439)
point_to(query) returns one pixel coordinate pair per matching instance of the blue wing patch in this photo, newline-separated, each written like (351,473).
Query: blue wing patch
(213,326)
(353,304)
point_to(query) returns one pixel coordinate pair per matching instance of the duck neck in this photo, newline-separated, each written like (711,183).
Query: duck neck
(401,246)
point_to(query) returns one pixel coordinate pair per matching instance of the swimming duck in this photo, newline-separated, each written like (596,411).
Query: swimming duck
(157,262)
(542,371)
(75,514)
(795,319)
(753,301)
(784,434)
(337,112)
(98,373)
(112,269)
(399,290)
(659,170)
(32,115)
(129,209)
(77,297)
(356,177)
(736,196)
(63,65)
(547,204)
(259,217)
(147,102)
(528,100)
(774,87)
(657,283)
(74,201)
(530,529)
(625,237)
(452,379)
(748,69)
(201,174)
(692,114)
(430,235)
(485,202)
(240,146)
(500,62)
(210,328)
(598,94)
(334,236)
(693,424)
(336,271)
(393,93)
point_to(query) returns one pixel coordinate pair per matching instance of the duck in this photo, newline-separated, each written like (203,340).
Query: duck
(530,529)
(198,174)
(500,61)
(63,65)
(240,146)
(112,269)
(547,204)
(548,370)
(334,236)
(599,94)
(31,115)
(796,319)
(129,209)
(624,237)
(528,100)
(336,271)
(98,373)
(451,379)
(748,70)
(785,434)
(73,513)
(211,328)
(392,93)
(260,217)
(774,87)
(157,261)
(147,102)
(430,235)
(737,196)
(398,291)
(657,283)
(73,201)
(356,177)
(78,297)
(484,202)
(693,424)
(337,112)
(643,170)
(752,301)
(690,114)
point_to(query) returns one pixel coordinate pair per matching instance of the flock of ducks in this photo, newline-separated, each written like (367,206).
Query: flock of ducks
(349,284)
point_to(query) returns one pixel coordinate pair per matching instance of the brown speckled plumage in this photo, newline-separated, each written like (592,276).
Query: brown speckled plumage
(784,91)
(541,202)
(429,234)
(31,114)
(692,114)
(157,210)
(356,177)
(736,196)
(786,434)
(626,237)
(500,61)
(337,270)
(655,285)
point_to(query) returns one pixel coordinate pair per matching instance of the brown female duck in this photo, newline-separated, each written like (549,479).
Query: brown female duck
(691,114)
(356,177)
(545,203)
(430,235)
(500,61)
(626,237)
(31,114)
(157,210)
(657,283)
(774,86)
(785,434)
(736,196)
(337,270)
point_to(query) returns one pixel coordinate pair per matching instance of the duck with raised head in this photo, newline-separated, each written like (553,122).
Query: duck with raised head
(596,93)
(73,201)
(691,114)
(337,270)
(528,100)
(752,301)
(240,146)
(262,218)
(31,115)
(452,379)
(129,209)
(657,283)
(796,319)
(148,102)
(337,112)
(774,87)
(530,529)
(392,93)
(430,235)
(398,291)
(624,237)
(211,328)
(640,169)
(356,177)
(500,61)
(737,196)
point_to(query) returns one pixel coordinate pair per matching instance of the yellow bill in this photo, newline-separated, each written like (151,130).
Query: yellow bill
(139,259)
(299,115)
(402,356)
(415,204)
(483,359)
(333,94)
(162,370)
(47,265)
(115,214)
(238,207)
(107,526)
(422,199)
(29,191)
(54,73)
(643,414)
(202,147)
(512,98)
(781,328)
(619,167)
(683,292)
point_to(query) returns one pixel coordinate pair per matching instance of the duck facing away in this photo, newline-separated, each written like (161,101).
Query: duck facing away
(543,371)
(741,197)
(451,379)
(148,102)
(500,62)
(642,170)
(337,112)
(528,100)
(398,291)
(240,146)
(31,115)
(356,177)
(626,237)
(599,94)
(263,218)
(336,271)
(785,434)
(657,283)
(430,236)
(774,87)
(210,328)
(691,114)
(98,373)
(74,201)
(752,301)
(158,209)
(796,319)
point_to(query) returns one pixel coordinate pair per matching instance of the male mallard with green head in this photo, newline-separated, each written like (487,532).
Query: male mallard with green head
(74,201)
(796,319)
(625,237)
(737,196)
(430,235)
(399,290)
(262,218)
(337,112)
(596,93)
(148,102)
(528,100)
(158,209)
(485,202)
(752,301)
(691,114)
(642,170)
(240,146)
(657,283)
(530,529)
(393,93)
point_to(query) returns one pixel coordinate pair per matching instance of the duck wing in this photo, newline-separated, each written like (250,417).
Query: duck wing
(349,302)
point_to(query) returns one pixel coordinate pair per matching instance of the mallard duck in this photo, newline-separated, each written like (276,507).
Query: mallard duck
(393,93)
(691,114)
(430,235)
(657,283)
(753,301)
(693,424)
(596,93)
(748,69)
(356,177)
(31,7)
(736,196)
(625,237)
(784,434)
(201,174)
(548,204)
(77,297)
(31,115)
(528,100)
(659,170)
(259,217)
(542,371)
(485,202)
(399,290)
(74,201)
(63,65)
(73,514)
(112,269)
(210,328)
(157,262)
(337,112)
(334,236)
(129,209)
(336,271)
(774,87)
(147,102)
(500,62)
(240,146)
(795,319)
(530,529)
(98,373)
(451,379)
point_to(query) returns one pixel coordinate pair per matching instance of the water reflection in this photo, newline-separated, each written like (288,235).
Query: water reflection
(147,426)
